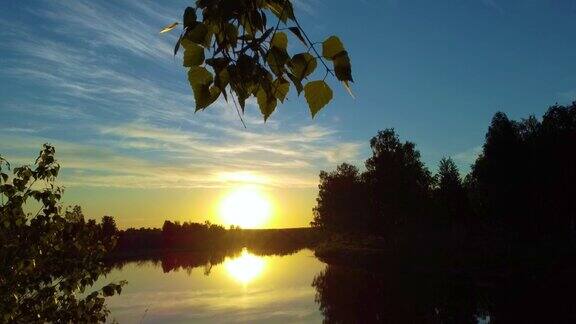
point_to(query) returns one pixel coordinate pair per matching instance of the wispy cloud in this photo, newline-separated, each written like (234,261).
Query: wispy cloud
(119,166)
(492,4)
(466,158)
(108,94)
(109,24)
(567,96)
(307,6)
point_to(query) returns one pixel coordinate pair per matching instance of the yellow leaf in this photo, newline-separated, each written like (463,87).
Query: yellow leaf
(199,75)
(318,94)
(331,46)
(200,79)
(193,53)
(169,27)
(267,104)
(280,89)
(302,65)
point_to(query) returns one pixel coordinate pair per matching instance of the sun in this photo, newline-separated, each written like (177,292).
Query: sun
(245,206)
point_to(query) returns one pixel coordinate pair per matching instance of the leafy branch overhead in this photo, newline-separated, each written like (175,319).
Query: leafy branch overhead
(231,50)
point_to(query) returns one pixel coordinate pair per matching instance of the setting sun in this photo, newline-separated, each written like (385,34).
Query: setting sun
(245,206)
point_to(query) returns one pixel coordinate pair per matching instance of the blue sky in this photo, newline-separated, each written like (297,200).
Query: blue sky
(97,80)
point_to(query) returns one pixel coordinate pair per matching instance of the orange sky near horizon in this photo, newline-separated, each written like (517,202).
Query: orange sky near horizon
(133,207)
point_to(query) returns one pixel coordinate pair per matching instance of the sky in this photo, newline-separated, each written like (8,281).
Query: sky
(97,80)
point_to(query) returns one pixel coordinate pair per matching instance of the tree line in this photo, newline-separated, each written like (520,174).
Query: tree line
(207,237)
(519,193)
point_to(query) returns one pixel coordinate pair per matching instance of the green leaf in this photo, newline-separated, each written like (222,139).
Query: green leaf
(169,27)
(193,53)
(342,66)
(280,88)
(302,65)
(279,40)
(318,94)
(331,46)
(266,103)
(296,31)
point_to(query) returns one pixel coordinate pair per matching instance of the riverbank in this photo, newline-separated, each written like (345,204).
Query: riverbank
(135,244)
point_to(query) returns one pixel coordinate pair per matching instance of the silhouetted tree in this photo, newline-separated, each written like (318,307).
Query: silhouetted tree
(557,161)
(450,195)
(517,197)
(49,257)
(496,171)
(341,202)
(398,182)
(109,226)
(523,181)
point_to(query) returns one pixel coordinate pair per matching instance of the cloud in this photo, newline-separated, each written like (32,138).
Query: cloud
(101,166)
(492,4)
(145,156)
(567,96)
(108,24)
(466,158)
(307,6)
(108,94)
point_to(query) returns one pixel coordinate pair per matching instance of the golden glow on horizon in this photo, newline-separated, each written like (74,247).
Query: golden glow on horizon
(245,206)
(242,177)
(245,268)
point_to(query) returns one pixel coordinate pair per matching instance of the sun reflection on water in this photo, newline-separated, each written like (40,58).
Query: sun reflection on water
(245,268)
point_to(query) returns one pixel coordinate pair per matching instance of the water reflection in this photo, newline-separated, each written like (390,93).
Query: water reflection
(244,286)
(263,287)
(245,268)
(353,295)
(348,295)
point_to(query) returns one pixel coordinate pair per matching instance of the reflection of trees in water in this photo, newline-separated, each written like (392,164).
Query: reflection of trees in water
(171,260)
(347,295)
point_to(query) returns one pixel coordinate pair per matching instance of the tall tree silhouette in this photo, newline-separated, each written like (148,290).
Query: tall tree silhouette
(341,202)
(399,183)
(450,195)
(523,181)
(109,226)
(496,172)
(518,197)
(557,160)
